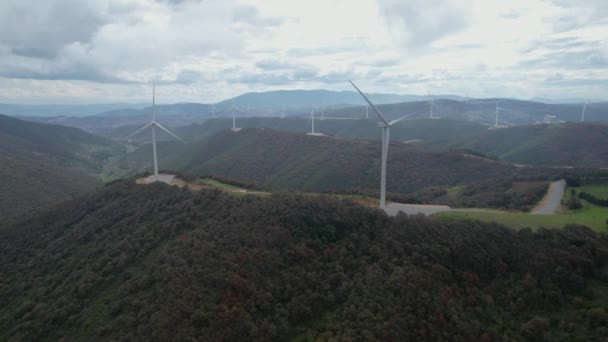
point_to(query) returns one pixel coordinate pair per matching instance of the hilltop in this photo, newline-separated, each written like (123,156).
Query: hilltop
(159,263)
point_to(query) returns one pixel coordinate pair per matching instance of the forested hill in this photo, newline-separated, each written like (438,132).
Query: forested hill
(61,145)
(316,163)
(568,144)
(154,262)
(29,184)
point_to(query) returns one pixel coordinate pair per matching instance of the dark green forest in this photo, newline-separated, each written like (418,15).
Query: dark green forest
(60,145)
(28,184)
(293,161)
(159,263)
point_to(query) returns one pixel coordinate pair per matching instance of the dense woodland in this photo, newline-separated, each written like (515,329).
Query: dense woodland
(300,162)
(568,144)
(28,184)
(159,263)
(59,145)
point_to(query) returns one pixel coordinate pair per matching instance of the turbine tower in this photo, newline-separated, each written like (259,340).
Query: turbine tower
(583,113)
(234,128)
(432,105)
(385,125)
(312,120)
(498,109)
(154,124)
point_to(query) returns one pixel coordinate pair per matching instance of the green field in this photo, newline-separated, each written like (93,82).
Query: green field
(590,215)
(216,184)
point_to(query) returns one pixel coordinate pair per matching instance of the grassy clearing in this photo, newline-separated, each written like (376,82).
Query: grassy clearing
(590,215)
(217,184)
(597,190)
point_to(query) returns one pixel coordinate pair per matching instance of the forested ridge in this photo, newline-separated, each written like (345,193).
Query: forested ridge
(59,145)
(155,262)
(296,161)
(28,184)
(580,144)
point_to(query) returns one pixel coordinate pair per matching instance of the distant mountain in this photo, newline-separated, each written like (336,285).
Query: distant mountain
(340,105)
(65,110)
(316,98)
(156,263)
(568,144)
(311,163)
(172,115)
(61,145)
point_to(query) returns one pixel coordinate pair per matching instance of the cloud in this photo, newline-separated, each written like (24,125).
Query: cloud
(250,15)
(42,28)
(417,23)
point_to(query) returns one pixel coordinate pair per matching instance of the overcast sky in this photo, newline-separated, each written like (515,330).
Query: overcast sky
(79,51)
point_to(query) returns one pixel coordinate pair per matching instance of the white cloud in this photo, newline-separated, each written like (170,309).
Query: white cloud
(206,50)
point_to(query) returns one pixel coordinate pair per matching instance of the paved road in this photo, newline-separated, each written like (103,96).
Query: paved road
(552,200)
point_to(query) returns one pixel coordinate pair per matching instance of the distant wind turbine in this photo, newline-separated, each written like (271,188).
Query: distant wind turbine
(312,121)
(385,125)
(234,109)
(583,113)
(498,109)
(154,124)
(432,105)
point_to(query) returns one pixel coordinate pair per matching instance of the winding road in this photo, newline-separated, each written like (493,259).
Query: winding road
(552,200)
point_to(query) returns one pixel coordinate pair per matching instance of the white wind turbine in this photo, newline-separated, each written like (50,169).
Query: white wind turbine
(498,109)
(154,124)
(583,113)
(234,109)
(432,105)
(385,125)
(312,121)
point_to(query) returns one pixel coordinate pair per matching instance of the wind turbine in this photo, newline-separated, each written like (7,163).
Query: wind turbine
(367,111)
(213,111)
(498,109)
(385,125)
(234,128)
(432,105)
(583,113)
(154,124)
(312,120)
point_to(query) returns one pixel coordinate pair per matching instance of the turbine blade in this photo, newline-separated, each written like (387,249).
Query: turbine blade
(139,130)
(401,118)
(166,130)
(370,104)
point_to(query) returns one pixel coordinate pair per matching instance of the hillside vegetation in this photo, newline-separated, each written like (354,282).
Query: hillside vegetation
(159,263)
(568,144)
(29,184)
(312,163)
(60,145)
